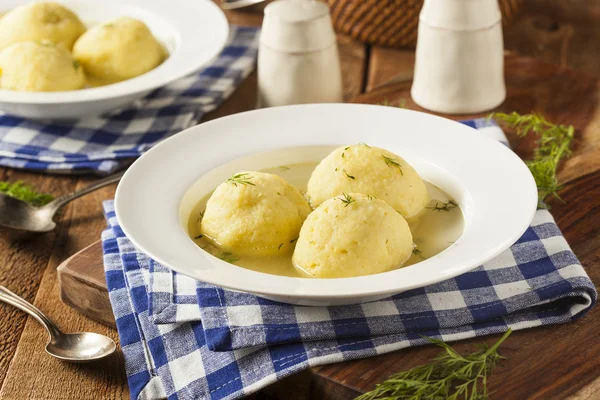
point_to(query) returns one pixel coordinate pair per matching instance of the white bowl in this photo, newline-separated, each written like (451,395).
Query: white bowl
(194,32)
(493,186)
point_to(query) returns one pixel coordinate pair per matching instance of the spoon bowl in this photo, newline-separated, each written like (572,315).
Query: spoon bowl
(80,347)
(71,347)
(20,215)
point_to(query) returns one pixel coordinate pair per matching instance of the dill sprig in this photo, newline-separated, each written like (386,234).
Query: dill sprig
(348,175)
(447,206)
(553,145)
(26,193)
(228,256)
(417,252)
(241,178)
(449,376)
(390,162)
(347,199)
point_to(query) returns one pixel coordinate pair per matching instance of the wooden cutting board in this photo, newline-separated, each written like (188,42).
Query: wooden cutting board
(83,285)
(544,363)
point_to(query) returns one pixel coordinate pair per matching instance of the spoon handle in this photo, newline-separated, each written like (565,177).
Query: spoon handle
(61,201)
(10,298)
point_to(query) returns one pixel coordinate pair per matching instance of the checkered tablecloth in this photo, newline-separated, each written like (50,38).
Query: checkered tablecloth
(102,144)
(184,339)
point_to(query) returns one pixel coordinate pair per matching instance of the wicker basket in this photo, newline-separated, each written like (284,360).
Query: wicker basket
(390,23)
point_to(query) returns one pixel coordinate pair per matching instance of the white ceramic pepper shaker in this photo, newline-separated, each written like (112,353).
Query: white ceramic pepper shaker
(459,65)
(298,60)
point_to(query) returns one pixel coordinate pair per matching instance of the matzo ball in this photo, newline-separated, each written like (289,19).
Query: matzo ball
(40,21)
(352,235)
(118,50)
(370,170)
(254,213)
(39,67)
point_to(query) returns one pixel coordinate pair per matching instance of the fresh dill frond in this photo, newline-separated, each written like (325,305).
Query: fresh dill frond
(76,64)
(447,206)
(200,216)
(198,237)
(228,256)
(241,178)
(347,199)
(448,376)
(293,240)
(283,168)
(553,145)
(348,175)
(390,162)
(26,193)
(346,148)
(364,144)
(280,246)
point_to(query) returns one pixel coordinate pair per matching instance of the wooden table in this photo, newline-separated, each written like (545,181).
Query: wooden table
(567,357)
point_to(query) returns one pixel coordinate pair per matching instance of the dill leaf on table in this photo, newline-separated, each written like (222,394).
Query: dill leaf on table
(553,145)
(27,193)
(449,376)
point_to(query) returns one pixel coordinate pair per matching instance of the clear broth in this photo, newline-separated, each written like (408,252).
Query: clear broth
(433,230)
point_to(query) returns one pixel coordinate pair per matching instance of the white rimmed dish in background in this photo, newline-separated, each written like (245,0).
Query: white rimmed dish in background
(193,32)
(494,188)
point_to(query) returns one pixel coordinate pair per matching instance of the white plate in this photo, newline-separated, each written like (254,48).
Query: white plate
(194,32)
(493,186)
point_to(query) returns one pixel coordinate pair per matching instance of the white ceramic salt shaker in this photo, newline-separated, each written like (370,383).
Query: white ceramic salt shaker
(298,60)
(459,65)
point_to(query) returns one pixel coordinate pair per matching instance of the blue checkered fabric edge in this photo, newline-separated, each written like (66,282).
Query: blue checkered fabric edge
(187,340)
(100,144)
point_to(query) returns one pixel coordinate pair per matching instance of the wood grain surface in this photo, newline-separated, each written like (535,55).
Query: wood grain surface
(28,262)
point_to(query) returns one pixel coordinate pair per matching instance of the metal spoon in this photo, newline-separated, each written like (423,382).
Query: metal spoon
(73,347)
(17,214)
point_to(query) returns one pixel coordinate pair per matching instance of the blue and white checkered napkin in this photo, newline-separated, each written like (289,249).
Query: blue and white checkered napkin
(101,144)
(188,340)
